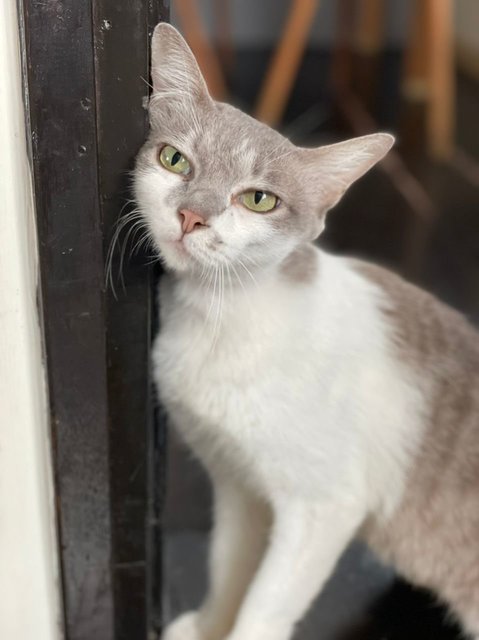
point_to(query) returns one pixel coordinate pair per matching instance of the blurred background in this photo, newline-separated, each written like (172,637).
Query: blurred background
(321,71)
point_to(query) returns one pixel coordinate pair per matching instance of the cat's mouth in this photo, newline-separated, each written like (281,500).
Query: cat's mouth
(181,247)
(192,252)
(185,252)
(197,248)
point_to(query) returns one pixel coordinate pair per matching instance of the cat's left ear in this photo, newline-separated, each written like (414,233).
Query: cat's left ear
(174,69)
(332,169)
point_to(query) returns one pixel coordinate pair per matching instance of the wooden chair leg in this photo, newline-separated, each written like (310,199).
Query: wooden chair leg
(416,64)
(224,37)
(370,27)
(368,47)
(190,19)
(286,60)
(441,112)
(341,72)
(429,72)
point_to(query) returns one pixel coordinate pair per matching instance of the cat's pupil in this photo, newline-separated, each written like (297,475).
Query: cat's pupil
(176,158)
(258,196)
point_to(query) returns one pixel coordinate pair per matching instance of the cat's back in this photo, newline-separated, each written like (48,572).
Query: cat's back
(433,535)
(436,342)
(441,347)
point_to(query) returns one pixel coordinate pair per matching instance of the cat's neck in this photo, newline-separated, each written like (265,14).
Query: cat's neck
(231,287)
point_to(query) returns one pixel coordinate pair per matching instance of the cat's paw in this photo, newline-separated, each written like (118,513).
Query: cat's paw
(261,632)
(185,627)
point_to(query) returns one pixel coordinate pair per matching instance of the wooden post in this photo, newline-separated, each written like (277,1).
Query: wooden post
(87,66)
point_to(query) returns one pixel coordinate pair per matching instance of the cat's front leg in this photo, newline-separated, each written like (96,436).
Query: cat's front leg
(306,543)
(241,526)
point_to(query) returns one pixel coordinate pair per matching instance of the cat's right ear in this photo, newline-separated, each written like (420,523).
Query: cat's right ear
(174,69)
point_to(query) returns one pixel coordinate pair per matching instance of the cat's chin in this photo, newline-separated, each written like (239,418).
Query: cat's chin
(186,258)
(175,256)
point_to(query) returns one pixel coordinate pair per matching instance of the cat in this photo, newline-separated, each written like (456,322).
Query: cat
(326,397)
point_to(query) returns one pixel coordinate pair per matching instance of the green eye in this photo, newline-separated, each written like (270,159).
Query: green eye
(174,160)
(259,201)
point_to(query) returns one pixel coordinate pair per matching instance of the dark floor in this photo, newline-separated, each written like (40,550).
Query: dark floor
(363,600)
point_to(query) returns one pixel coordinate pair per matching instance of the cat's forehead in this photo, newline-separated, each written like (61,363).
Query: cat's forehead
(237,141)
(235,127)
(222,134)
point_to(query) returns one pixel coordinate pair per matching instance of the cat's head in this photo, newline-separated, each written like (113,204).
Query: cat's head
(217,187)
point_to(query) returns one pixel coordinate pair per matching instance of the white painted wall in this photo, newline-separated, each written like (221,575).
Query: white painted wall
(29,594)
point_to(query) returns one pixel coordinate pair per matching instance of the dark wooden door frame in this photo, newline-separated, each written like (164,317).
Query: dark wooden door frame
(86,70)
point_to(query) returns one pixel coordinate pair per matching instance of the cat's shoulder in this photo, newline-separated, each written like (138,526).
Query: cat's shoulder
(406,298)
(422,323)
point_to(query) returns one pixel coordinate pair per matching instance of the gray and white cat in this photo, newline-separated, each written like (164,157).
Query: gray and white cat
(327,398)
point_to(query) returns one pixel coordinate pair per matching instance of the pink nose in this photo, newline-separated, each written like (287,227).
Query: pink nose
(190,220)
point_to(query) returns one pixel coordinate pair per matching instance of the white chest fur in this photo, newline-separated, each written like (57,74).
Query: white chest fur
(296,388)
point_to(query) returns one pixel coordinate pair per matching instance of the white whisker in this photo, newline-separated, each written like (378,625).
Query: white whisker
(119,226)
(242,264)
(219,308)
(139,224)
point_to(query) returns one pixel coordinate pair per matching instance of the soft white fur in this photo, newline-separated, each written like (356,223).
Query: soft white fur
(306,422)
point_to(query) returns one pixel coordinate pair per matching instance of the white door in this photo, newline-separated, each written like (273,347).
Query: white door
(29,575)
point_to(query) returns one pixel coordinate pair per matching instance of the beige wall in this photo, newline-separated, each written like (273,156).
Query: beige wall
(29,581)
